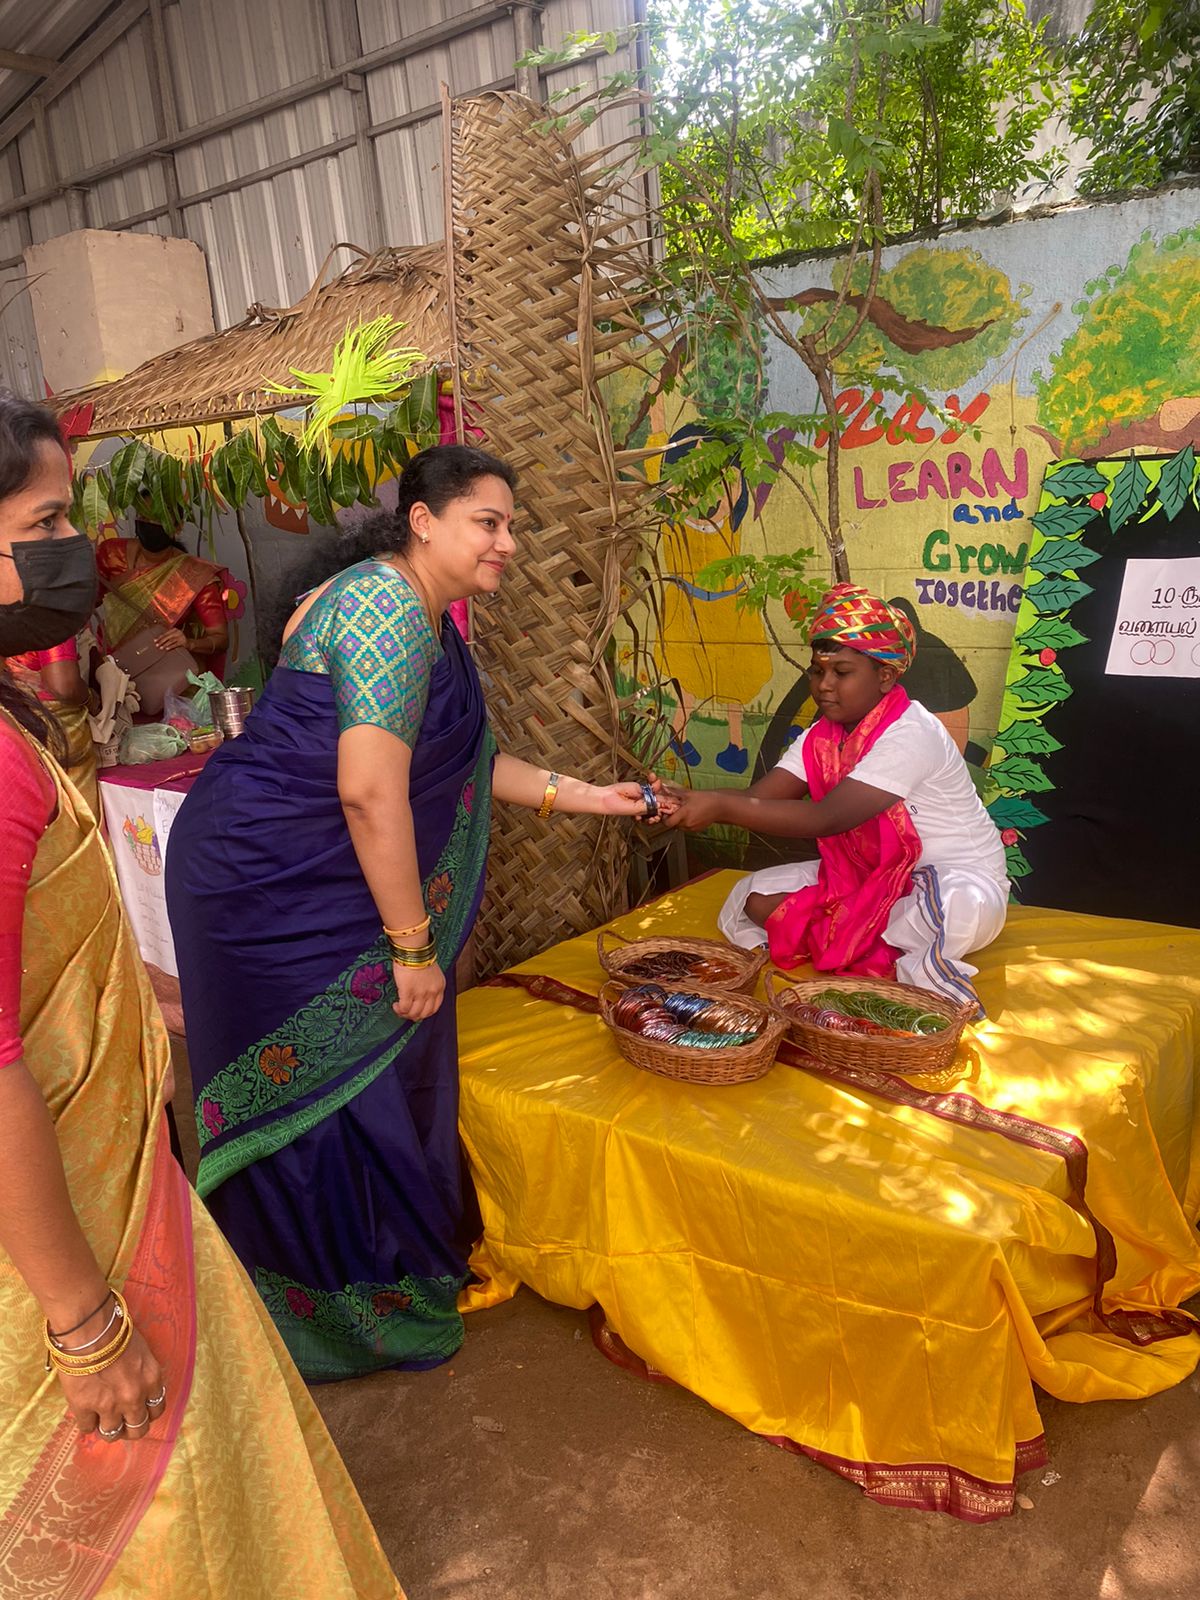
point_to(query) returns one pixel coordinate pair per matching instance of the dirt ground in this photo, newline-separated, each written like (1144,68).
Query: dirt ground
(530,1468)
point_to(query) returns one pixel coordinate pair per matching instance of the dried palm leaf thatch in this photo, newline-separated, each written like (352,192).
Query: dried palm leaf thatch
(547,282)
(239,373)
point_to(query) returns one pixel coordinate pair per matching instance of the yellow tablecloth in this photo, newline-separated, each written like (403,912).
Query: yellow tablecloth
(874,1283)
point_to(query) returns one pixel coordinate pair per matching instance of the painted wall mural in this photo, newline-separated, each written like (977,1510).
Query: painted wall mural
(1067,337)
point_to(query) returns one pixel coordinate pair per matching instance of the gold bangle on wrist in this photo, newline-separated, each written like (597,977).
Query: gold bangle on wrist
(94,1356)
(547,805)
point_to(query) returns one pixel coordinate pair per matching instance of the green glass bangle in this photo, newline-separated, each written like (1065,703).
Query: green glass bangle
(420,956)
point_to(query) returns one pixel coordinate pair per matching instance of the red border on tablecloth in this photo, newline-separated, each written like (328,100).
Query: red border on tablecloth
(914,1485)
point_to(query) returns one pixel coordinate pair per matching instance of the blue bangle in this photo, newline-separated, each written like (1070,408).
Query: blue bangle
(651,799)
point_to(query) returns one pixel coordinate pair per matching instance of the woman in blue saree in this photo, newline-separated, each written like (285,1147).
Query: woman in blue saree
(322,878)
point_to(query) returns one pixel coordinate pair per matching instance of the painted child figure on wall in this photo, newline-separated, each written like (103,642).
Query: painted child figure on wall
(911,876)
(716,653)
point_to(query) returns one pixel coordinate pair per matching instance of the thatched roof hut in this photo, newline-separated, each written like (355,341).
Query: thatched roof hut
(227,375)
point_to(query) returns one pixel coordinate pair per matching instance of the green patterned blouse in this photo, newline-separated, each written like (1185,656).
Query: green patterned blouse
(371,636)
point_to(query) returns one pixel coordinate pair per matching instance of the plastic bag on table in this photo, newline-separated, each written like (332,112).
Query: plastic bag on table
(150,741)
(180,712)
(206,685)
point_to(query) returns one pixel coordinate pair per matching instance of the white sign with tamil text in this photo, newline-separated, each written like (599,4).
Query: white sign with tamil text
(1157,631)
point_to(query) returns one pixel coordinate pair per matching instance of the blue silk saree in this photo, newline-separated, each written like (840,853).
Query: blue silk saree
(328,1126)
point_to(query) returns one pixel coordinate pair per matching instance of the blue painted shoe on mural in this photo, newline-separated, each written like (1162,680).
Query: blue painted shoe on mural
(733,758)
(686,752)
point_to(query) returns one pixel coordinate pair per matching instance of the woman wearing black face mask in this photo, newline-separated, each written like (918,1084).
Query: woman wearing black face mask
(164,612)
(137,1372)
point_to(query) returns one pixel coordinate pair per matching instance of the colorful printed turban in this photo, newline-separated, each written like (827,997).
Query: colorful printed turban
(859,620)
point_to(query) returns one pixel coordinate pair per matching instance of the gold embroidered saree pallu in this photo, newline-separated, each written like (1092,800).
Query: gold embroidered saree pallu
(877,1277)
(159,597)
(170,1516)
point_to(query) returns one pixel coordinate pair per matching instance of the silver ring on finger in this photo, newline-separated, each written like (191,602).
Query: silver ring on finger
(110,1436)
(157,1399)
(142,1422)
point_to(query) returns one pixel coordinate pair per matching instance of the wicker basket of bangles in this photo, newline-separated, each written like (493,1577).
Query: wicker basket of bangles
(847,1021)
(694,1032)
(710,961)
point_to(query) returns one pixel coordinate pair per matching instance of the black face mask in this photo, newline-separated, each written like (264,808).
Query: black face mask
(153,538)
(58,577)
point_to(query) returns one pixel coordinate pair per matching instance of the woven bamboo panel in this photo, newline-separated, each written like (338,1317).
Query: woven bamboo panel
(226,375)
(544,277)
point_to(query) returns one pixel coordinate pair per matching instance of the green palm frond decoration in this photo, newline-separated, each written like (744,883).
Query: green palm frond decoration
(367,366)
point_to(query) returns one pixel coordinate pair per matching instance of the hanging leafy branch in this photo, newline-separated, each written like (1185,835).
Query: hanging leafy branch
(341,466)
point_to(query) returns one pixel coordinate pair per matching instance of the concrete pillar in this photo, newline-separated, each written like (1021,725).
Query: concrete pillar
(105,302)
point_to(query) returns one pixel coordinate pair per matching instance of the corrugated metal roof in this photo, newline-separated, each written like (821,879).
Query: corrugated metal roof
(44,28)
(266,238)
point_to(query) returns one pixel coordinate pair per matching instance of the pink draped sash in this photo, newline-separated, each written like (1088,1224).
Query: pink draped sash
(838,923)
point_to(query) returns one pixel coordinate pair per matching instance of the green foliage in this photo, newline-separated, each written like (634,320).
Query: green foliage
(758,579)
(1063,522)
(1019,775)
(1062,555)
(953,289)
(1050,633)
(1131,52)
(1068,479)
(1056,594)
(1027,738)
(173,491)
(1128,491)
(1132,350)
(1175,482)
(367,368)
(1040,687)
(1011,812)
(774,112)
(780,125)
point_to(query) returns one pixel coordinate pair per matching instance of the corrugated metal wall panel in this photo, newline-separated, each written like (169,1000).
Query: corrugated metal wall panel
(266,239)
(466,63)
(127,195)
(20,363)
(278,136)
(106,111)
(44,28)
(410,173)
(32,156)
(226,53)
(48,220)
(382,22)
(270,239)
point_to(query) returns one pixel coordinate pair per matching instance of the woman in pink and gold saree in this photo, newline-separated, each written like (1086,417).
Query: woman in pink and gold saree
(156,1442)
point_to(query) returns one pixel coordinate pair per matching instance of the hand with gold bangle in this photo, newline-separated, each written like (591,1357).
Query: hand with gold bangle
(420,981)
(114,1386)
(547,792)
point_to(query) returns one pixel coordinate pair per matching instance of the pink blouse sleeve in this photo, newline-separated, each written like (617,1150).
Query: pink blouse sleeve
(26,801)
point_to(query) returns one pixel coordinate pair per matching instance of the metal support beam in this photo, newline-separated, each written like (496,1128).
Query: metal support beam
(21,61)
(527,35)
(166,114)
(115,26)
(77,211)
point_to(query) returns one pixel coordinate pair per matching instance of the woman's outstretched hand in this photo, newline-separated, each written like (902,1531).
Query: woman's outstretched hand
(629,800)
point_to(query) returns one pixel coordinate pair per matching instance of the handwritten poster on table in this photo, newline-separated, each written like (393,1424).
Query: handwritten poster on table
(1157,629)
